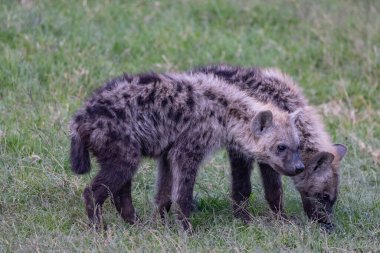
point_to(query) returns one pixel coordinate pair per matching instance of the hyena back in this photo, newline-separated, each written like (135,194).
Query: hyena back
(178,118)
(318,184)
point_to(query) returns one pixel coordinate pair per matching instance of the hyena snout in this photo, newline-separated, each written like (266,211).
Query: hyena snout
(299,167)
(290,161)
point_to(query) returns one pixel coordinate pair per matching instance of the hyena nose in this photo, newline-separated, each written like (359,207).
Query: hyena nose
(299,168)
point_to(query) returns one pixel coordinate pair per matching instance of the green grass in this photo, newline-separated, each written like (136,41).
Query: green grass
(54,53)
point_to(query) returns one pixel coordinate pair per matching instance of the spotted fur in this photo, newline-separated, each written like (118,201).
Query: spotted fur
(178,119)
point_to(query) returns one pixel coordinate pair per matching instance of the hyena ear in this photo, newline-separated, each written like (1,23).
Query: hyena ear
(295,115)
(341,150)
(321,161)
(262,121)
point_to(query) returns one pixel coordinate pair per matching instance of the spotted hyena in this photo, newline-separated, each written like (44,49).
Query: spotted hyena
(318,184)
(178,119)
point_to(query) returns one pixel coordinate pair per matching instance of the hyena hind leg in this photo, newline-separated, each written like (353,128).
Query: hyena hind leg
(241,169)
(123,203)
(272,189)
(113,178)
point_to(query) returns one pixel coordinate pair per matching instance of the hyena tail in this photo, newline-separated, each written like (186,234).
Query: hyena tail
(79,156)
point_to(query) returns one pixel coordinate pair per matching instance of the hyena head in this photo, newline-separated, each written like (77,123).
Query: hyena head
(319,184)
(277,142)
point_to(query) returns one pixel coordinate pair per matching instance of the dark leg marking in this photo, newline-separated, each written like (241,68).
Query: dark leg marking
(272,189)
(241,168)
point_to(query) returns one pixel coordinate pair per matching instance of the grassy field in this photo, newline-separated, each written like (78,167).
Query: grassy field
(54,53)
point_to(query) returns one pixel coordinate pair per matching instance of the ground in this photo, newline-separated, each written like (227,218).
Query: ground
(54,53)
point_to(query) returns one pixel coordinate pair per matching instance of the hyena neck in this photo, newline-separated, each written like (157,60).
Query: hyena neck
(313,136)
(239,126)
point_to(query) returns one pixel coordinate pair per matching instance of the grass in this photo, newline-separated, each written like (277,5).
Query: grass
(54,53)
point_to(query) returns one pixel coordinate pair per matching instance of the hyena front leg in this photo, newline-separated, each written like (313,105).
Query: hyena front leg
(241,168)
(185,162)
(272,189)
(164,186)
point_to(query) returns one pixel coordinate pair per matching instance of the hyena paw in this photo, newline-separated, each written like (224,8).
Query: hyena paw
(132,220)
(187,227)
(328,227)
(243,215)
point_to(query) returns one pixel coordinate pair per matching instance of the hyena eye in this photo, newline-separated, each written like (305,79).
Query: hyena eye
(326,197)
(281,148)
